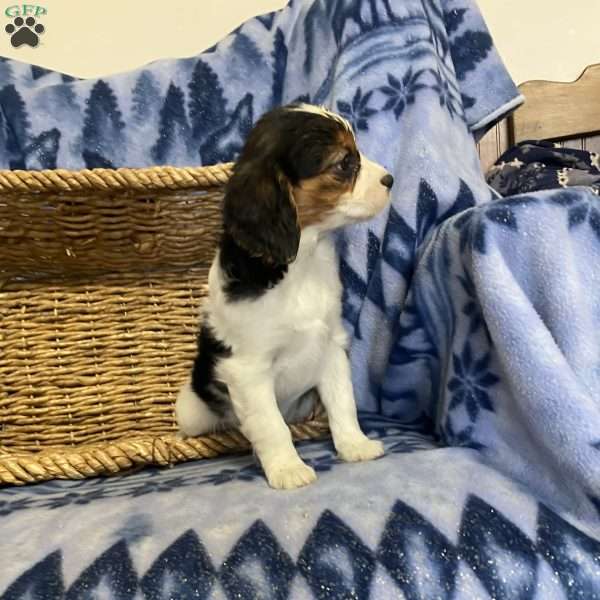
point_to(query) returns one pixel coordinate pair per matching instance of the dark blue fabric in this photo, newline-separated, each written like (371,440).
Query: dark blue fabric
(531,166)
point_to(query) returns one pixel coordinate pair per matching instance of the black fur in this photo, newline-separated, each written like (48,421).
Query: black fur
(261,231)
(259,214)
(246,277)
(213,392)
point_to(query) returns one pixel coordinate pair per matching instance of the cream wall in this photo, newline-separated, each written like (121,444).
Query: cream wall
(545,39)
(89,38)
(539,39)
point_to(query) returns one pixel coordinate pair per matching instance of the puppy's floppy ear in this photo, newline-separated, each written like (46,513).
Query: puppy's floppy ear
(259,213)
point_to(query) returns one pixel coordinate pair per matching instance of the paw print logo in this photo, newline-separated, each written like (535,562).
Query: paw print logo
(24,31)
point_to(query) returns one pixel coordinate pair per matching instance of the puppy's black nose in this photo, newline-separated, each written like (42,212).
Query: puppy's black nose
(388,181)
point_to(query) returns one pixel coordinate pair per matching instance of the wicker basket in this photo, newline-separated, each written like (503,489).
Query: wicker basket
(101,274)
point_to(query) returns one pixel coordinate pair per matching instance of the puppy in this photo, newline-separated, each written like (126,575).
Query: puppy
(272,329)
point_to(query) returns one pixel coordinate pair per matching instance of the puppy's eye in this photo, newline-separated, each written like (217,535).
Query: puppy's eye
(347,166)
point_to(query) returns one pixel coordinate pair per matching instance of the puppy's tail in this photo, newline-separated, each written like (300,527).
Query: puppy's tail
(193,415)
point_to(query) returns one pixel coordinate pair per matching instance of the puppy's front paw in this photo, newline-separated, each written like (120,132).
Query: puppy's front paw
(290,475)
(360,448)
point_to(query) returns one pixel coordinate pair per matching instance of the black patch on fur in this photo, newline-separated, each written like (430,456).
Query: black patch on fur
(259,213)
(214,393)
(246,277)
(298,142)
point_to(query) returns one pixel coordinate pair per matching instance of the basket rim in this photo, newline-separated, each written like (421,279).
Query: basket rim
(120,456)
(123,179)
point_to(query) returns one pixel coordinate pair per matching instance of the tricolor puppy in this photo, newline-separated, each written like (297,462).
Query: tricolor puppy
(271,328)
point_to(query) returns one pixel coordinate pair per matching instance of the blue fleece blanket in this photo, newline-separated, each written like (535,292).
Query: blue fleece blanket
(418,524)
(472,321)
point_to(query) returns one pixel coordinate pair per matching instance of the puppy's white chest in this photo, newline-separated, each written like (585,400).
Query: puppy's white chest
(311,317)
(312,320)
(290,327)
(299,364)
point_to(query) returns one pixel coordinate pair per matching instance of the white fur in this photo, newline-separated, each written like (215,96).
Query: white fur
(324,112)
(194,417)
(287,341)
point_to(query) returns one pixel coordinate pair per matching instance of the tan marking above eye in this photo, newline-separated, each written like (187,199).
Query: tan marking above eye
(347,141)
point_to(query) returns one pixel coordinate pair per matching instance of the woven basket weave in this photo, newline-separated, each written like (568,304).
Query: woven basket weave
(101,275)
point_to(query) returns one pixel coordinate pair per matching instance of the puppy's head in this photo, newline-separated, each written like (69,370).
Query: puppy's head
(299,168)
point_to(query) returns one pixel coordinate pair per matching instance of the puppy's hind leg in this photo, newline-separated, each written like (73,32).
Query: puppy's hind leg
(194,417)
